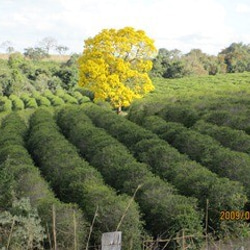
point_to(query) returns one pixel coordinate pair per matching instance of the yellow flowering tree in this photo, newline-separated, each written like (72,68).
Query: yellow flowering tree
(115,65)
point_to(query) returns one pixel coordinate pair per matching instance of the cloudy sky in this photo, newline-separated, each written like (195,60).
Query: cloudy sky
(209,25)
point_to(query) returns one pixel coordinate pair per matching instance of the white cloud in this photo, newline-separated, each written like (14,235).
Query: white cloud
(243,8)
(163,20)
(172,24)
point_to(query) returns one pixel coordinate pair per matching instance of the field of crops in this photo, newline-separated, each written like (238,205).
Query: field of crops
(178,164)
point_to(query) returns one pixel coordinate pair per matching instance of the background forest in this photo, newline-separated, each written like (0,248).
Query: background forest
(36,69)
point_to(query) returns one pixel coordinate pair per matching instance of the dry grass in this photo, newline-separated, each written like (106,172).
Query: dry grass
(56,58)
(4,56)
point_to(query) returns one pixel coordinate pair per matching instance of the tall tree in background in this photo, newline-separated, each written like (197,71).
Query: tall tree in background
(7,46)
(115,65)
(237,57)
(168,64)
(48,43)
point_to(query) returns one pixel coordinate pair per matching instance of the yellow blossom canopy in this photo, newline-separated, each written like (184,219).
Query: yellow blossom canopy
(115,65)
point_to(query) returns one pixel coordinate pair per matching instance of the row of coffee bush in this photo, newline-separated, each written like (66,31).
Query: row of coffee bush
(189,177)
(237,140)
(36,99)
(74,180)
(165,211)
(204,149)
(20,178)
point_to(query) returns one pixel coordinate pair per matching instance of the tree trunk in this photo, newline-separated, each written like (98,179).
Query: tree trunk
(119,110)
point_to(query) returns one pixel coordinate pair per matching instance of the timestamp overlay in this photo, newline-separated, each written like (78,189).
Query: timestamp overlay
(235,215)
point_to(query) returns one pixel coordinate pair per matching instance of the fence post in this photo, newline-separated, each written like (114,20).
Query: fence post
(54,226)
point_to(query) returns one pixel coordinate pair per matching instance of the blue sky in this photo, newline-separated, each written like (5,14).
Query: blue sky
(209,25)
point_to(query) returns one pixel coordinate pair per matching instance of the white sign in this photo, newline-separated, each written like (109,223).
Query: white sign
(112,241)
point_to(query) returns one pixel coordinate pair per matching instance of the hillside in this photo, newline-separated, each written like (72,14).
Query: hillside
(177,166)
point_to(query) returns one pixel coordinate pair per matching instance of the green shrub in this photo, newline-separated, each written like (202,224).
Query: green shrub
(31,103)
(74,180)
(43,101)
(6,105)
(56,101)
(189,177)
(77,95)
(84,99)
(69,99)
(235,139)
(124,173)
(130,132)
(207,151)
(86,92)
(23,179)
(60,93)
(179,113)
(16,102)
(47,93)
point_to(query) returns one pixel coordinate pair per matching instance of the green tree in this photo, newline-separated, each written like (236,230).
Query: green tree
(237,57)
(7,46)
(48,43)
(61,49)
(168,64)
(36,53)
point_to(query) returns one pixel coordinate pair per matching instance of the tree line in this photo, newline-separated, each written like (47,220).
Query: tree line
(41,50)
(20,75)
(175,64)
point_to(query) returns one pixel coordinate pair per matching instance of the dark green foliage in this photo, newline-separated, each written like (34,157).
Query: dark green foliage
(156,197)
(80,98)
(35,54)
(179,113)
(187,176)
(68,76)
(20,178)
(219,117)
(228,118)
(42,101)
(69,99)
(174,64)
(7,188)
(5,104)
(236,57)
(55,100)
(74,180)
(29,101)
(237,140)
(19,74)
(131,134)
(16,102)
(54,83)
(207,151)
(86,92)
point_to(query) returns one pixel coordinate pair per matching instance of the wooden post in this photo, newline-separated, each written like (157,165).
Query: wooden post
(75,230)
(183,240)
(91,228)
(207,224)
(10,235)
(54,226)
(48,235)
